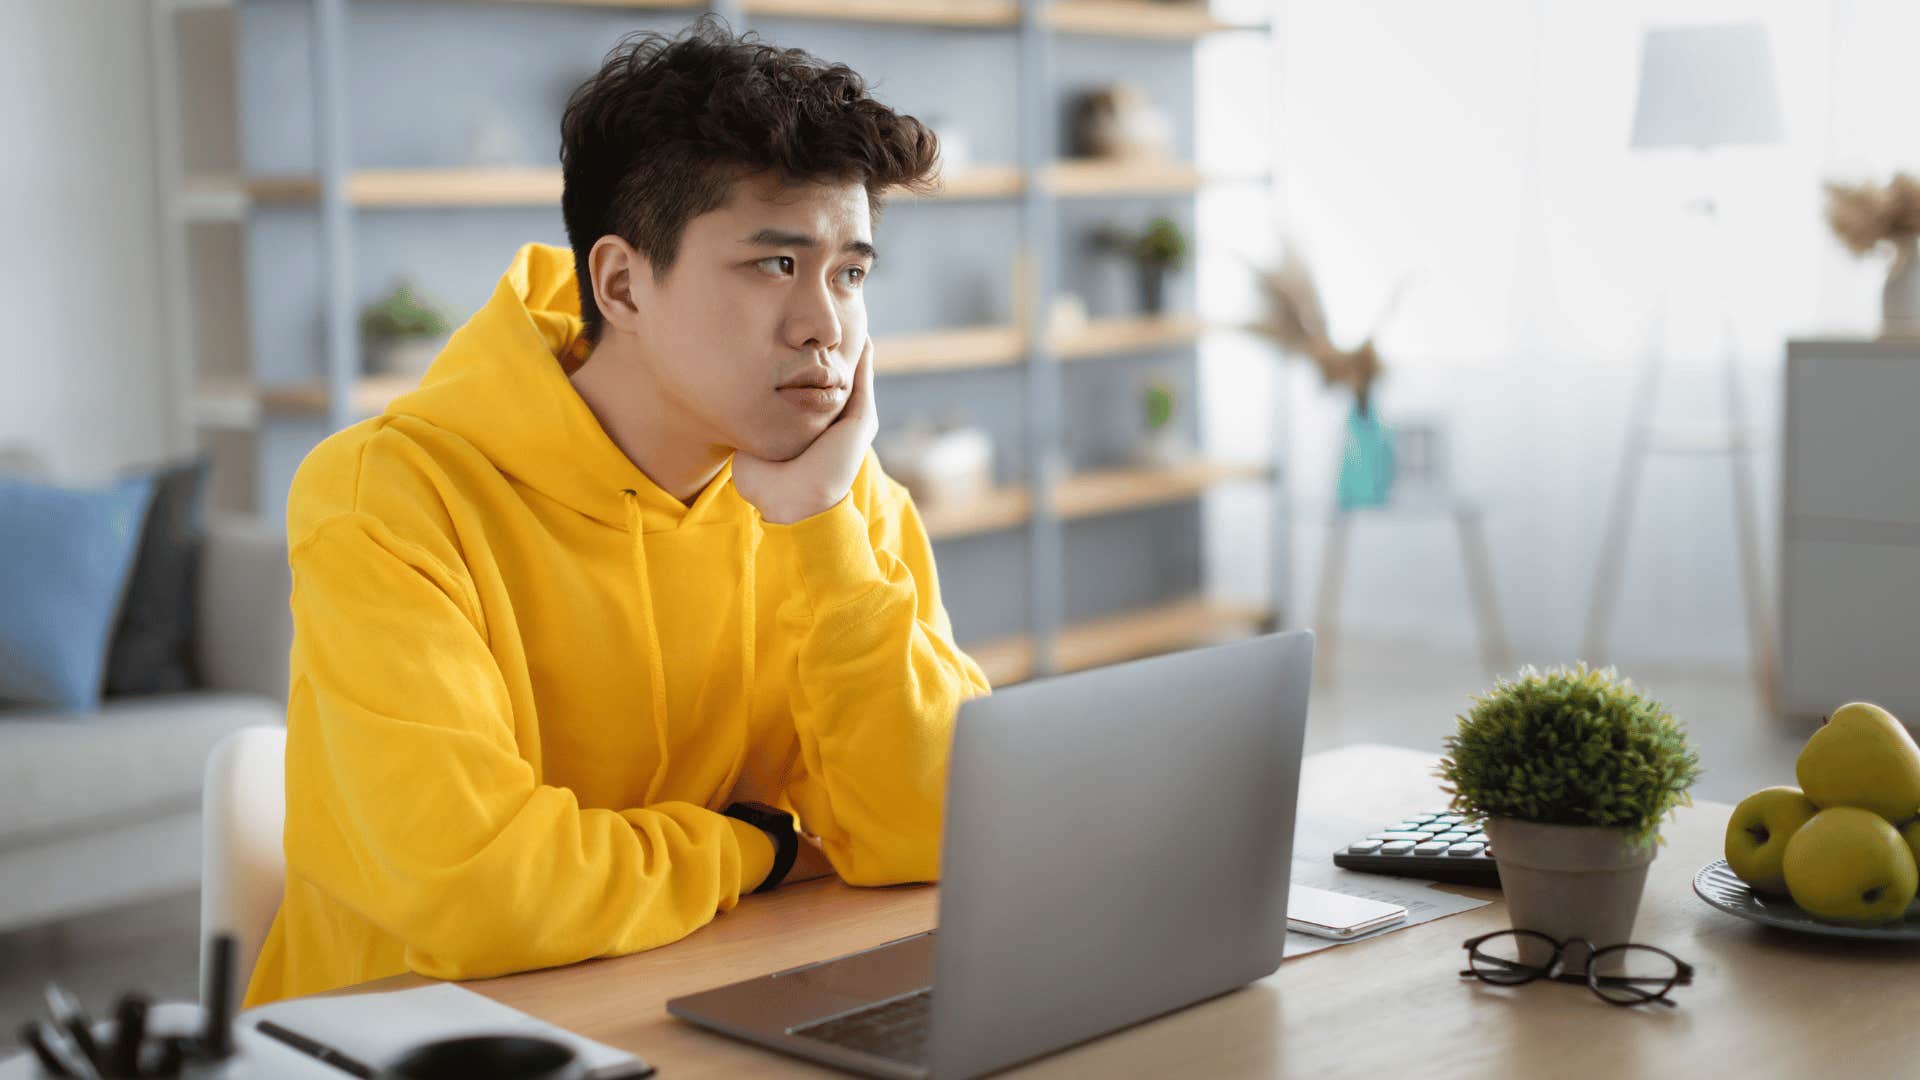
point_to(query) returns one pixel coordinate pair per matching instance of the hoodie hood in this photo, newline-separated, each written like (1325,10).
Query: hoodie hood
(501,384)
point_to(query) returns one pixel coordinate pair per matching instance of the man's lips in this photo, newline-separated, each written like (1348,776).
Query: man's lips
(813,382)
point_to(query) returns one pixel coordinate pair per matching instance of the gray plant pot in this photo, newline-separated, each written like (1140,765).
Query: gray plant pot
(1569,881)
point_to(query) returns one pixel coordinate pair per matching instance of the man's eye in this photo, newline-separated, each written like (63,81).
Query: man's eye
(777,264)
(859,275)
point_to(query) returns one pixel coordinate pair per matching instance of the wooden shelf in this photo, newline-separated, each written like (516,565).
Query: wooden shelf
(371,395)
(1005,660)
(1088,177)
(1135,18)
(236,403)
(957,13)
(1120,18)
(1004,508)
(465,186)
(1110,337)
(1112,491)
(949,350)
(499,186)
(977,182)
(226,404)
(1089,494)
(1182,624)
(637,5)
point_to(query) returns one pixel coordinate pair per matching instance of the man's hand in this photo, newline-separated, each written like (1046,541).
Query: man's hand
(788,491)
(810,863)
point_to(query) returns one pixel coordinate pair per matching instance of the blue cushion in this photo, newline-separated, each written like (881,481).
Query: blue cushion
(64,560)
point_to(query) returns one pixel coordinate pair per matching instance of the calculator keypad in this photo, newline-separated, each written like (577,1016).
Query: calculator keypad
(1441,845)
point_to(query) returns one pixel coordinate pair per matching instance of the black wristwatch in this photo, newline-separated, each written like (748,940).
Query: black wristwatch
(778,825)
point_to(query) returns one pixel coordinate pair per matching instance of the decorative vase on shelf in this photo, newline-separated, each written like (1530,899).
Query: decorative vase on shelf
(1153,288)
(1900,301)
(406,357)
(1366,461)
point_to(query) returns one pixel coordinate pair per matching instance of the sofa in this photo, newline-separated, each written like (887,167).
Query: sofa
(102,808)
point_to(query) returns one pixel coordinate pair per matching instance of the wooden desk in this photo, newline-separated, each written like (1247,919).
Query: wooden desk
(1763,1003)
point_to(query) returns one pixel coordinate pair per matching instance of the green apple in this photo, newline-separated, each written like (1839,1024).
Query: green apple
(1910,832)
(1849,865)
(1862,757)
(1758,832)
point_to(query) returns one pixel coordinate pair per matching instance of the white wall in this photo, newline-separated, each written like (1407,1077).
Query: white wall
(82,374)
(1487,146)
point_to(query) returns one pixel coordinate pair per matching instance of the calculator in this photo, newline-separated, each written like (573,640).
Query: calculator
(1440,846)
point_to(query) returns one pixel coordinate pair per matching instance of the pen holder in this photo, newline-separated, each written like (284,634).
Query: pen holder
(68,1043)
(488,1057)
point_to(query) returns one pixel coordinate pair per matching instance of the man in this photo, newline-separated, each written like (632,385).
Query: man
(622,576)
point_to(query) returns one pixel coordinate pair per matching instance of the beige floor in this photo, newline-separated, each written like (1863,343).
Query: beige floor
(1401,693)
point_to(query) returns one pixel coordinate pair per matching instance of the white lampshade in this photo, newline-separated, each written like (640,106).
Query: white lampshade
(1705,86)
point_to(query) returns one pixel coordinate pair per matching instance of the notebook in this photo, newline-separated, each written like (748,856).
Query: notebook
(378,1028)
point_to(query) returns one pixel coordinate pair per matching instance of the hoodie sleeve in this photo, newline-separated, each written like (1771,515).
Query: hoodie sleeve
(879,682)
(409,799)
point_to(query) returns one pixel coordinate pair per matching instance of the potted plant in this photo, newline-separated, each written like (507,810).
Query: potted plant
(1572,770)
(1159,251)
(403,332)
(1163,445)
(1867,216)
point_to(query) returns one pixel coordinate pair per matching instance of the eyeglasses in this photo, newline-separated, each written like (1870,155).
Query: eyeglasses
(1625,974)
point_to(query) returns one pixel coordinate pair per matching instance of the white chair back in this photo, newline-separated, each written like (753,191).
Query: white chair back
(242,864)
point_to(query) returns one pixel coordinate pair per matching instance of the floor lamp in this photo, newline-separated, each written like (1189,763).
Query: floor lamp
(1701,88)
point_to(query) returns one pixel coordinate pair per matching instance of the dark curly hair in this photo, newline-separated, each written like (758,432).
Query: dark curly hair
(659,135)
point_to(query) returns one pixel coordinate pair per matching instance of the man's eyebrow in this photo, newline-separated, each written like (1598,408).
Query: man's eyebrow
(782,238)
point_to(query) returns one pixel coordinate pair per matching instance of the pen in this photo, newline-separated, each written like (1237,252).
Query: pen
(30,1033)
(216,1036)
(129,1030)
(71,1018)
(58,1053)
(314,1049)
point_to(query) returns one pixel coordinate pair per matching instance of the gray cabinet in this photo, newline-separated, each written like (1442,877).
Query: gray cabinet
(1850,529)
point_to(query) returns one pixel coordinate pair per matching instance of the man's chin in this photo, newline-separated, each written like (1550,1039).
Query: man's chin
(784,448)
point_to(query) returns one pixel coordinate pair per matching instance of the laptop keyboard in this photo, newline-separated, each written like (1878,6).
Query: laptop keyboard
(895,1029)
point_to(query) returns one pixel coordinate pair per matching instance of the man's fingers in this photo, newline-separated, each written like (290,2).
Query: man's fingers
(860,399)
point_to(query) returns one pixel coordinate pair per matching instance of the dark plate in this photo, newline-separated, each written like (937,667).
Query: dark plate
(1717,885)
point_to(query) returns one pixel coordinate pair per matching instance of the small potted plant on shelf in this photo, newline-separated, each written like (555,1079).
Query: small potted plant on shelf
(1157,252)
(1163,446)
(403,332)
(1572,770)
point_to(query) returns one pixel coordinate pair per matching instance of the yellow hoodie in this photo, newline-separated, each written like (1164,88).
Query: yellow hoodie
(526,680)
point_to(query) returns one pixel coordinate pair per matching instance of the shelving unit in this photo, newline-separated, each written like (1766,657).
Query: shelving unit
(1182,624)
(233,406)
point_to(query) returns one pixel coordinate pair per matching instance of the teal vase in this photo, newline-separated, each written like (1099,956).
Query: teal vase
(1366,462)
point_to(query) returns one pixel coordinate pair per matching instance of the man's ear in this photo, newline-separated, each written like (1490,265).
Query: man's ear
(618,272)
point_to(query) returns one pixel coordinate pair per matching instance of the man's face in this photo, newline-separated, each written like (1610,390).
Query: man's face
(755,331)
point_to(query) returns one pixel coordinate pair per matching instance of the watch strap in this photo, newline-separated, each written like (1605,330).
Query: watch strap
(778,825)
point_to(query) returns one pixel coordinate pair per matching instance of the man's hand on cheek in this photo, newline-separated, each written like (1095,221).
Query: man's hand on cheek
(788,491)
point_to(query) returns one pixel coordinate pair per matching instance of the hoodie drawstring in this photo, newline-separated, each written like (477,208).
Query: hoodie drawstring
(656,664)
(749,615)
(656,661)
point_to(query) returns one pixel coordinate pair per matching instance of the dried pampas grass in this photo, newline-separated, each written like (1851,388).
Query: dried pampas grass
(1864,216)
(1296,320)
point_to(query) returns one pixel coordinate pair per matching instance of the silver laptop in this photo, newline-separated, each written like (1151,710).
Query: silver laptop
(1117,845)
